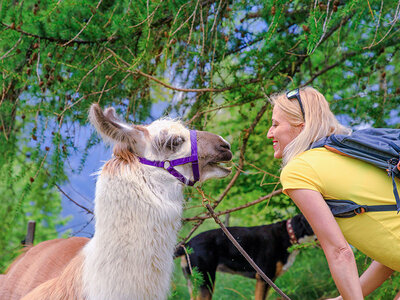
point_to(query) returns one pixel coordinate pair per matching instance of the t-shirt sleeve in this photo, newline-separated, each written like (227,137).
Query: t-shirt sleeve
(298,174)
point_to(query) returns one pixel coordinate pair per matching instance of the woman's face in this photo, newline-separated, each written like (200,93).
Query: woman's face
(281,132)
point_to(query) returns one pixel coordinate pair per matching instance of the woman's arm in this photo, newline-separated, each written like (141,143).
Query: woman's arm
(373,277)
(338,253)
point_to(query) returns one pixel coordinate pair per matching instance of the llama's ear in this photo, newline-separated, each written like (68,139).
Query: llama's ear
(111,114)
(112,129)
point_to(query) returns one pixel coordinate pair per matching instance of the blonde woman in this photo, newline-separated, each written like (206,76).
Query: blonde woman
(299,118)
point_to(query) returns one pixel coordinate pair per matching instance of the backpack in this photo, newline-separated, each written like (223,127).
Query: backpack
(377,146)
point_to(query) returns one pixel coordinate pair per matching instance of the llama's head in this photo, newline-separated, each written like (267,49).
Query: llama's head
(163,141)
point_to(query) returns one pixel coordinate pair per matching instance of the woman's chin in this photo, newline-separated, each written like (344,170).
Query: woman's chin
(277,155)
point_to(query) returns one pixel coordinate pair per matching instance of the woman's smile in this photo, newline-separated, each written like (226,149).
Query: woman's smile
(281,132)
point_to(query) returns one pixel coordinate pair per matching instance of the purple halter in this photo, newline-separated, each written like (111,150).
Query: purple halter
(170,164)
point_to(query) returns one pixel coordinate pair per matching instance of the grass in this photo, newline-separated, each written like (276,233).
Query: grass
(308,278)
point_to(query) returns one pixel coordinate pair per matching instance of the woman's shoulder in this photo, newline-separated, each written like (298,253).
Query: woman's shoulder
(312,160)
(302,161)
(309,157)
(315,153)
(301,172)
(322,160)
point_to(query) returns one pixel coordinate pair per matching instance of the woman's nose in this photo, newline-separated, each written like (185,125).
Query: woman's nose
(270,134)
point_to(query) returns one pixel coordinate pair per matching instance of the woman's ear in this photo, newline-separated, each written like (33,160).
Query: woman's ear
(299,127)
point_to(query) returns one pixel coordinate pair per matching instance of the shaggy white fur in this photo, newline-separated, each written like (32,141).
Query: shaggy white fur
(137,218)
(137,211)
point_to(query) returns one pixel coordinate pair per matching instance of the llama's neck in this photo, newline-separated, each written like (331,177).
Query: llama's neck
(137,218)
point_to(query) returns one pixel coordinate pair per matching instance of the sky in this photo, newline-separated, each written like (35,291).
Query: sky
(81,186)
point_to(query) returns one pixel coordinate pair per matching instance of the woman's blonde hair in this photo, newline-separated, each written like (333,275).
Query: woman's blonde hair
(319,121)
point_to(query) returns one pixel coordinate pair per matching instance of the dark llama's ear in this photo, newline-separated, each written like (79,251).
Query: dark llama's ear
(112,129)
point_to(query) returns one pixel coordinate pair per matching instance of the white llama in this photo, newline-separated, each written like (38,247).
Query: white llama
(138,206)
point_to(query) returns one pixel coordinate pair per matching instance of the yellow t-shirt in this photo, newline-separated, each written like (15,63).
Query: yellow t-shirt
(377,234)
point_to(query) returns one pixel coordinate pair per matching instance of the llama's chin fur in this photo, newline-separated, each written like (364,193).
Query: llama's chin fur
(132,249)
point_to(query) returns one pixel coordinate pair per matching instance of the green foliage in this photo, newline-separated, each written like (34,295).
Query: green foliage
(307,278)
(388,289)
(227,287)
(26,196)
(57,57)
(196,279)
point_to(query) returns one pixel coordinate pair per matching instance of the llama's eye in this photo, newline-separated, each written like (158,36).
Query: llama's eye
(175,142)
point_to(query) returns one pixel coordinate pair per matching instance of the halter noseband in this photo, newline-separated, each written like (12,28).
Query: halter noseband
(170,164)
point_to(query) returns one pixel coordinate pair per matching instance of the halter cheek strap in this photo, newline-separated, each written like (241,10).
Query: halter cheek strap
(170,164)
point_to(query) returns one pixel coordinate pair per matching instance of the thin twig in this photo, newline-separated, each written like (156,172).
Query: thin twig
(394,21)
(194,19)
(254,80)
(104,87)
(91,94)
(245,255)
(72,200)
(203,31)
(345,57)
(248,131)
(216,15)
(377,24)
(324,27)
(12,48)
(84,27)
(187,258)
(38,62)
(94,68)
(148,17)
(214,90)
(370,10)
(55,6)
(199,113)
(180,26)
(261,199)
(57,40)
(4,128)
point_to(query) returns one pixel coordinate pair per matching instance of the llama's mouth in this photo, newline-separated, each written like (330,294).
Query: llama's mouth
(221,165)
(214,169)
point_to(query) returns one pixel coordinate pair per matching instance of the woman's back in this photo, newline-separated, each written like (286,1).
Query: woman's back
(377,234)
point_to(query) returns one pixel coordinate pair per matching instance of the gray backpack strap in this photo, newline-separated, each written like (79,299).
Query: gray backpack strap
(348,209)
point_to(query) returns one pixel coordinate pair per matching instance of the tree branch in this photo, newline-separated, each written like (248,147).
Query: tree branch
(57,40)
(329,68)
(261,199)
(248,132)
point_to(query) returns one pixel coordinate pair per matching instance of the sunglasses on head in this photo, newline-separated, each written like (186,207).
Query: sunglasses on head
(295,94)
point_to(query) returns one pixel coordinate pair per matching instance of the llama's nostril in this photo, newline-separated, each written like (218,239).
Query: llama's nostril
(226,146)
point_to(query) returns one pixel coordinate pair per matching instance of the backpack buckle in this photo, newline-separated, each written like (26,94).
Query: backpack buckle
(360,210)
(393,167)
